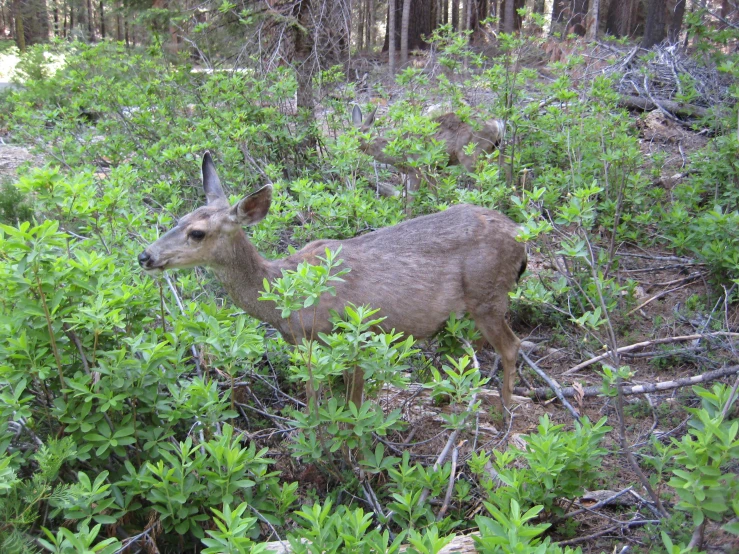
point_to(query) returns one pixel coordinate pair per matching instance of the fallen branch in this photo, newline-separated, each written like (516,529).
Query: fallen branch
(659,295)
(627,524)
(594,507)
(645,104)
(639,345)
(553,385)
(543,393)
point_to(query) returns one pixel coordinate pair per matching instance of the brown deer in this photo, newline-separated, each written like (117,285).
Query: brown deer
(454,132)
(462,260)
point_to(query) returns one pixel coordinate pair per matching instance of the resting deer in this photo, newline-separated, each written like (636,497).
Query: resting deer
(462,260)
(454,132)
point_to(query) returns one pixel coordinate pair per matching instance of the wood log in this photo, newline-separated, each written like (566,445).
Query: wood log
(677,108)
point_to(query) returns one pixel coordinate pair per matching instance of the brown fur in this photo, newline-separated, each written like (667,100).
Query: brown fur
(464,259)
(454,132)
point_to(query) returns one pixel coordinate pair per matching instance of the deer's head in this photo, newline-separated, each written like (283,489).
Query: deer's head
(202,237)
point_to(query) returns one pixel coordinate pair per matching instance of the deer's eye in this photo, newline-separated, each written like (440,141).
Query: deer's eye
(196,235)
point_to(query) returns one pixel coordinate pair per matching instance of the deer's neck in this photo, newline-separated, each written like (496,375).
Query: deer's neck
(242,270)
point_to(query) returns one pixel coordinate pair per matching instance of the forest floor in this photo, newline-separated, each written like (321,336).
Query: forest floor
(671,292)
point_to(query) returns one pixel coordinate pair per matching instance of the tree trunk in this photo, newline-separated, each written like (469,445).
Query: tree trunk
(725,11)
(56,18)
(420,24)
(508,13)
(620,18)
(676,24)
(90,27)
(102,20)
(511,20)
(125,29)
(463,15)
(302,54)
(558,7)
(591,27)
(404,23)
(360,25)
(654,29)
(455,15)
(20,32)
(390,35)
(577,18)
(370,24)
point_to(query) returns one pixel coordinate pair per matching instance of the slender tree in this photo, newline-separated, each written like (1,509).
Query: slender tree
(20,32)
(404,23)
(390,35)
(420,24)
(591,26)
(90,27)
(370,42)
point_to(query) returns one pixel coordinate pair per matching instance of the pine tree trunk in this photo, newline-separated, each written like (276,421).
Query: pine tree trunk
(102,20)
(509,11)
(390,35)
(404,23)
(20,32)
(620,18)
(90,17)
(676,25)
(591,27)
(56,18)
(303,48)
(654,29)
(420,25)
(360,25)
(455,15)
(370,24)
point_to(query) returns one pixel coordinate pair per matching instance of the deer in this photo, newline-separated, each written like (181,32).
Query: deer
(455,133)
(463,260)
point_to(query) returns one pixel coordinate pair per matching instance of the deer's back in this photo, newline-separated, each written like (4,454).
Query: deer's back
(420,271)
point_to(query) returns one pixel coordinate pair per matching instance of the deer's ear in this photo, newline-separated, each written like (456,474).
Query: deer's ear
(252,209)
(370,119)
(211,182)
(357,115)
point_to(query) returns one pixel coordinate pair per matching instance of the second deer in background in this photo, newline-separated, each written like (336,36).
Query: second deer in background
(455,133)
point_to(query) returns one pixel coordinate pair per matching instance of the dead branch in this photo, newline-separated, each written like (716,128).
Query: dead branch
(553,385)
(543,393)
(647,105)
(638,345)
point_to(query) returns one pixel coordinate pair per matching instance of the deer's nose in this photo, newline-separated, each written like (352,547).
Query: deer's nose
(143,258)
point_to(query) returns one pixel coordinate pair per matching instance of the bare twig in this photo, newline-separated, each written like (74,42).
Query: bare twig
(450,486)
(553,385)
(542,392)
(658,296)
(639,345)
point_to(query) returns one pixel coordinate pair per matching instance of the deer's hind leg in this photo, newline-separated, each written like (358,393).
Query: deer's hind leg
(490,320)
